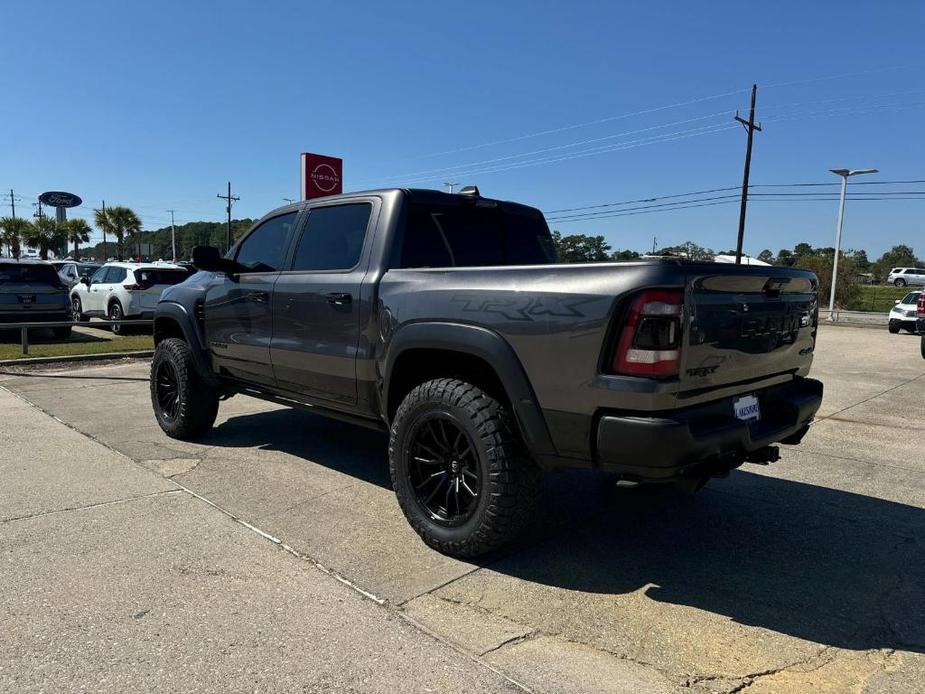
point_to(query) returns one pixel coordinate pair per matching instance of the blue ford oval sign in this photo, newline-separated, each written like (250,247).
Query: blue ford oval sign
(57,198)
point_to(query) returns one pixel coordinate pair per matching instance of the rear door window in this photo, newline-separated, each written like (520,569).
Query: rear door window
(115,275)
(333,237)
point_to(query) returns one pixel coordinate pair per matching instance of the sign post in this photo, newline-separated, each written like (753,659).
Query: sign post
(321,176)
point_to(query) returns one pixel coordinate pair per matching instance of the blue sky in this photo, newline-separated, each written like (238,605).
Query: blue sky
(157,105)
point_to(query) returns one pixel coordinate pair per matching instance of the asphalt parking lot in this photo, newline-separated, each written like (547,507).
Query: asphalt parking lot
(806,575)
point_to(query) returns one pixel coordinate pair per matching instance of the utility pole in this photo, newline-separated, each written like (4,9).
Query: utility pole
(751,127)
(229,199)
(173,237)
(13,200)
(104,233)
(450,185)
(654,244)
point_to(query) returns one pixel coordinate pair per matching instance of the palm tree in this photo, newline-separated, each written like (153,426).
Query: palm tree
(45,233)
(12,229)
(78,232)
(118,221)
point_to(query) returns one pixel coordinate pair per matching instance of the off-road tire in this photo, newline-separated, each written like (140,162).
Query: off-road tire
(198,404)
(62,333)
(507,496)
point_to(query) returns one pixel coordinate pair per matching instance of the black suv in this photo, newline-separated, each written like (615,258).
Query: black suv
(31,291)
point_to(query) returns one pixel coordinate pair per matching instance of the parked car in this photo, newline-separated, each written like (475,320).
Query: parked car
(71,271)
(902,276)
(443,320)
(123,291)
(903,314)
(32,292)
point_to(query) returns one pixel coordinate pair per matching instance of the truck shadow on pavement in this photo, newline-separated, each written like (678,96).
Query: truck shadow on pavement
(828,566)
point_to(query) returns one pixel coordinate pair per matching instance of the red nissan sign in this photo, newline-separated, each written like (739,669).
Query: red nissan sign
(321,175)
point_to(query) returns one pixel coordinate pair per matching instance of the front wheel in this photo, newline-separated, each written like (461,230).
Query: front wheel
(184,404)
(77,309)
(893,327)
(459,468)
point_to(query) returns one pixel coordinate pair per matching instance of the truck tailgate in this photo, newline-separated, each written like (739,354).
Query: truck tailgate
(747,324)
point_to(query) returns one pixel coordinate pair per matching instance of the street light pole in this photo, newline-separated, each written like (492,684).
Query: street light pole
(844,173)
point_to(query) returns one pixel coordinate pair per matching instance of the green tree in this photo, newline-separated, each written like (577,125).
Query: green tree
(689,250)
(846,290)
(120,222)
(12,231)
(802,250)
(766,256)
(78,232)
(580,248)
(785,257)
(44,234)
(625,255)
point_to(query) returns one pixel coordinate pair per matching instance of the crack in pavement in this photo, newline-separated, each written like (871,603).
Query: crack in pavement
(127,499)
(868,399)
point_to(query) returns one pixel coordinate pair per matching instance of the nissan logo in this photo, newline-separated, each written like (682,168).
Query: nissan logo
(325,178)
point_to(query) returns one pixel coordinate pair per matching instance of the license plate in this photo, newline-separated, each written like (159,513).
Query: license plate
(747,408)
(26,299)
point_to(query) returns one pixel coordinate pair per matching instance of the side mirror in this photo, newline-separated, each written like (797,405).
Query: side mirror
(897,301)
(85,280)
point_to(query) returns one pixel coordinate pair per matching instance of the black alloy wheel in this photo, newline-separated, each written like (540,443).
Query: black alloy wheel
(444,469)
(167,390)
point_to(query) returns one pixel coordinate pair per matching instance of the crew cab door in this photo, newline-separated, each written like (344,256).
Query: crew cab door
(320,300)
(237,310)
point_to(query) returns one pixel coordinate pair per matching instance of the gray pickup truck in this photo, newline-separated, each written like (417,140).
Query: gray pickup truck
(445,320)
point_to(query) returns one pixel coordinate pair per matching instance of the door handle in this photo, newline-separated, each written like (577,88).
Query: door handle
(259,297)
(339,298)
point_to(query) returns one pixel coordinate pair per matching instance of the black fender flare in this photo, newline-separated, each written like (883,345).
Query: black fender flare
(177,313)
(491,348)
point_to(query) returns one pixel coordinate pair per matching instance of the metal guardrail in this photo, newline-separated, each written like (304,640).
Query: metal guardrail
(25,327)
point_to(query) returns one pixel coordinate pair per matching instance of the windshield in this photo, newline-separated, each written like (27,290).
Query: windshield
(28,274)
(911,298)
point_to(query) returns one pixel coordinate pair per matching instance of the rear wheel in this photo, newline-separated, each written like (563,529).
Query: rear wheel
(184,404)
(899,282)
(459,469)
(115,313)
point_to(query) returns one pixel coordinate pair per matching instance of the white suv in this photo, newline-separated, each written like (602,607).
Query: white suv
(901,276)
(124,291)
(903,314)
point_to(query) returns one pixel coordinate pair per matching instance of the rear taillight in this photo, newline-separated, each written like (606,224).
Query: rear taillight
(650,342)
(135,287)
(920,306)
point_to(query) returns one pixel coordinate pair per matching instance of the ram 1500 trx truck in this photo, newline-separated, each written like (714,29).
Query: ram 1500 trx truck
(445,320)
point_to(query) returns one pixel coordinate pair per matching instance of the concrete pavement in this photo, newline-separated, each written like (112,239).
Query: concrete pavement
(802,576)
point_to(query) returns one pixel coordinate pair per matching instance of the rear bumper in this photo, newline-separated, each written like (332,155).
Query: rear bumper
(706,438)
(59,314)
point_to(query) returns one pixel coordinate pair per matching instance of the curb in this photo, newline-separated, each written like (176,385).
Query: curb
(77,358)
